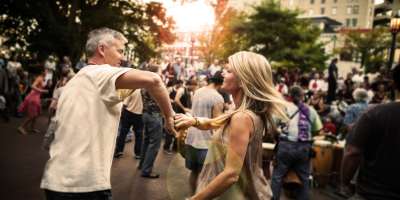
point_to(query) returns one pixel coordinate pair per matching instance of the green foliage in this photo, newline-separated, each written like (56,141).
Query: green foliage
(368,47)
(61,27)
(278,34)
(282,37)
(222,41)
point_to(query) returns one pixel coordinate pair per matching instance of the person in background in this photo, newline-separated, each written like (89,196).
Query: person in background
(131,116)
(170,143)
(152,121)
(354,111)
(183,98)
(32,105)
(373,146)
(295,144)
(207,102)
(332,80)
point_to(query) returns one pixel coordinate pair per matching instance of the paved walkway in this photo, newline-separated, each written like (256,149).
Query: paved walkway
(22,162)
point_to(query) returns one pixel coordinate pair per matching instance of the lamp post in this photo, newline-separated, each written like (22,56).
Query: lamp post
(394,29)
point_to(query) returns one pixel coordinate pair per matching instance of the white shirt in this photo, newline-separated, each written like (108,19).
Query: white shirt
(13,67)
(87,118)
(134,102)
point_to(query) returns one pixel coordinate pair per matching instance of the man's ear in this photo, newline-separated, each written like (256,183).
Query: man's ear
(101,49)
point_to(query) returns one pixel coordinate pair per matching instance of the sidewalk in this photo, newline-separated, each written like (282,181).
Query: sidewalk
(23,160)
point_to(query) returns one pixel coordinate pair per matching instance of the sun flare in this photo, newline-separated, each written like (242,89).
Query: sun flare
(190,16)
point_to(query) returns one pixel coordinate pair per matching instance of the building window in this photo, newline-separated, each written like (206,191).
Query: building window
(334,11)
(348,22)
(311,1)
(356,9)
(355,22)
(334,1)
(322,11)
(322,1)
(349,10)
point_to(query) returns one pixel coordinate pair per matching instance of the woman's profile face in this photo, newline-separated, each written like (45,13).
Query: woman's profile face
(231,81)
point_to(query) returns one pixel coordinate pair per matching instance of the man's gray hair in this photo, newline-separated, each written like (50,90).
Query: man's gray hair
(102,36)
(360,94)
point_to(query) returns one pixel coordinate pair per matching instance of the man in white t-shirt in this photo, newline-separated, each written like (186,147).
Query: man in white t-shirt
(87,118)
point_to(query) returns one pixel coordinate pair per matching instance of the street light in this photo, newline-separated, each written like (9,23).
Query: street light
(394,28)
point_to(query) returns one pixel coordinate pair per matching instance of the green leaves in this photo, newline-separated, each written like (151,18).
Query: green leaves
(283,37)
(278,34)
(61,27)
(368,47)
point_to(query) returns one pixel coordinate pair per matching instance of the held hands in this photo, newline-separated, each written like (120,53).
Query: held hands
(184,121)
(187,110)
(169,126)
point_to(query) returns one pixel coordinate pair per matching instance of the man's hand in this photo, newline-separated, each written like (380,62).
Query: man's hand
(184,121)
(169,126)
(187,110)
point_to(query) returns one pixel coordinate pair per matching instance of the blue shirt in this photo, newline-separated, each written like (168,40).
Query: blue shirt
(354,111)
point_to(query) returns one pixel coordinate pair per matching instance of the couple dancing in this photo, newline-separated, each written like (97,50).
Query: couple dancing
(233,164)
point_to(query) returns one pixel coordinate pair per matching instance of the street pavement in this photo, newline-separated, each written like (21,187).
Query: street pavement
(22,162)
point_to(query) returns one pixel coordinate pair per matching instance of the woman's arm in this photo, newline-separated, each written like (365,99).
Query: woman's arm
(35,85)
(178,97)
(184,121)
(239,133)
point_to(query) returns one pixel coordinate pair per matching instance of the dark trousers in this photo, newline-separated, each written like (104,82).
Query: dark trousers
(98,195)
(129,119)
(153,130)
(296,156)
(169,140)
(332,85)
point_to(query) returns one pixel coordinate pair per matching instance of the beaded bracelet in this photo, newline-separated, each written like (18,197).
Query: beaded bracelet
(197,123)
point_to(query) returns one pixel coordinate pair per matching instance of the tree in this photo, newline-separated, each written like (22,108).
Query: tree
(282,37)
(221,41)
(368,47)
(61,27)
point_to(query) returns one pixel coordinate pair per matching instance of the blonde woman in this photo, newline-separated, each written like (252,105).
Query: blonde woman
(232,169)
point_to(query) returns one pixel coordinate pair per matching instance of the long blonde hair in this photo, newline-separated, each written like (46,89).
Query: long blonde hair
(259,94)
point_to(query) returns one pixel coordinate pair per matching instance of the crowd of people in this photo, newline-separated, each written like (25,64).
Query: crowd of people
(222,114)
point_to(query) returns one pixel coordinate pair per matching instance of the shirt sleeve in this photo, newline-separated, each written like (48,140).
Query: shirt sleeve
(316,123)
(104,77)
(361,131)
(349,116)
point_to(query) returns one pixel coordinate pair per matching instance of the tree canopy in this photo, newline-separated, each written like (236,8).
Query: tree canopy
(276,33)
(61,27)
(367,47)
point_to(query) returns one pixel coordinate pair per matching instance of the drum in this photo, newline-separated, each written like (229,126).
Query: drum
(291,182)
(267,158)
(322,162)
(337,162)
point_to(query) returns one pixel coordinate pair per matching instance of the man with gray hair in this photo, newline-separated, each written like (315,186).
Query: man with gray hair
(355,110)
(87,118)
